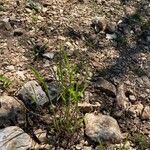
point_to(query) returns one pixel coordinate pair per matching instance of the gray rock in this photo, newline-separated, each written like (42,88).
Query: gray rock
(11,110)
(106,87)
(102,127)
(32,92)
(14,138)
(6,24)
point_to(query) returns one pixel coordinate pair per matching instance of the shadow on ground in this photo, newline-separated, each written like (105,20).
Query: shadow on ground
(133,33)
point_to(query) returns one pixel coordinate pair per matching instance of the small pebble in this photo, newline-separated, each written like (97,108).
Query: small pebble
(132,98)
(111,36)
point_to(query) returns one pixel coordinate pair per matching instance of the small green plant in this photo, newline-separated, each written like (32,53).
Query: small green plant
(70,93)
(4,81)
(2,8)
(66,117)
(101,145)
(34,19)
(136,17)
(142,142)
(42,82)
(32,4)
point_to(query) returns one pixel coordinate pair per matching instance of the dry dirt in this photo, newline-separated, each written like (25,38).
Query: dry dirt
(56,23)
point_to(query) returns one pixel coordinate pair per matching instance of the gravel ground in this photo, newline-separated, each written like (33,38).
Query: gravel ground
(112,36)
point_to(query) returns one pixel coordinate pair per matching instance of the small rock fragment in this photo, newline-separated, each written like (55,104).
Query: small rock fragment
(21,74)
(106,87)
(136,110)
(41,135)
(87,148)
(14,138)
(110,28)
(121,99)
(7,24)
(10,68)
(146,113)
(102,127)
(18,32)
(126,145)
(48,55)
(99,24)
(111,36)
(132,98)
(87,107)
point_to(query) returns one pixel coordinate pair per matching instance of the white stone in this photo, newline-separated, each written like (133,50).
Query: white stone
(111,36)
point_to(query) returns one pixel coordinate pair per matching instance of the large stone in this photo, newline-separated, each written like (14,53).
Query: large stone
(106,87)
(11,110)
(32,92)
(14,138)
(102,127)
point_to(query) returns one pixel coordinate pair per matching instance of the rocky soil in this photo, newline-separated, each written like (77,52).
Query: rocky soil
(110,39)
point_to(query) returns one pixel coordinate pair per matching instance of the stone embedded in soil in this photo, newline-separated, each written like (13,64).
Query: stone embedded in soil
(41,135)
(87,107)
(87,148)
(146,113)
(14,138)
(106,87)
(132,98)
(10,68)
(37,146)
(11,110)
(32,92)
(18,32)
(48,55)
(99,24)
(110,28)
(136,110)
(102,127)
(111,36)
(121,99)
(6,24)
